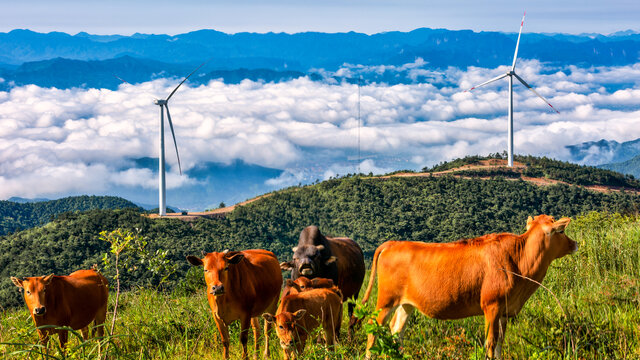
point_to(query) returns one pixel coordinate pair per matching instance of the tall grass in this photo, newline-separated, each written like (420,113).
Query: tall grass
(598,287)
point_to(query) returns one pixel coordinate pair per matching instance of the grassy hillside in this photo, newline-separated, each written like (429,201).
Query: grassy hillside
(596,316)
(16,216)
(370,211)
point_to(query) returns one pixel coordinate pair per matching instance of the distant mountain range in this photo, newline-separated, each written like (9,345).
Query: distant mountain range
(609,154)
(211,184)
(63,60)
(604,151)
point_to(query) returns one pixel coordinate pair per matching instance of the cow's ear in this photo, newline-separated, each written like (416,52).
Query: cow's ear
(269,318)
(294,285)
(320,247)
(235,258)
(47,279)
(299,314)
(194,260)
(529,223)
(17,282)
(560,225)
(286,266)
(330,260)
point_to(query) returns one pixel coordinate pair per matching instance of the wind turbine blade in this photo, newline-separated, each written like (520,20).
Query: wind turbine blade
(119,78)
(174,137)
(185,79)
(515,55)
(488,81)
(535,92)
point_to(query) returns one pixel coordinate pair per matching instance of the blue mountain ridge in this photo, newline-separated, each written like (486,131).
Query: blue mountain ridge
(307,50)
(93,61)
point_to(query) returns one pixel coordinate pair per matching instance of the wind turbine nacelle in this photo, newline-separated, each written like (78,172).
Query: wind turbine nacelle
(160,102)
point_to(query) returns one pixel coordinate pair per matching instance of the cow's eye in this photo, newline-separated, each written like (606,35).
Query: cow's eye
(281,327)
(205,270)
(226,269)
(27,292)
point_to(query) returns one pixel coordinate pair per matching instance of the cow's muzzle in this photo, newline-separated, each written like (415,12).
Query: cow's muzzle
(40,311)
(306,271)
(217,290)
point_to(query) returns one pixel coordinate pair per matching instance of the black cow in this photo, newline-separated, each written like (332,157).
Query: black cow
(338,259)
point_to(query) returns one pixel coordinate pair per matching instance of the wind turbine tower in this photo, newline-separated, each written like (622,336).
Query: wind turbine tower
(164,105)
(511,74)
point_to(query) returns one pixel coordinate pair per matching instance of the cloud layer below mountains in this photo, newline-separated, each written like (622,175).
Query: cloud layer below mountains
(56,142)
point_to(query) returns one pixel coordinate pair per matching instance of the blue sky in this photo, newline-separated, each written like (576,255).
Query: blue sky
(368,16)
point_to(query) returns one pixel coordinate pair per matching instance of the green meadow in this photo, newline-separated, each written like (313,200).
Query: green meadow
(590,309)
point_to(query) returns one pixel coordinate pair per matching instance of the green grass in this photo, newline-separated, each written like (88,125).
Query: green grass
(598,316)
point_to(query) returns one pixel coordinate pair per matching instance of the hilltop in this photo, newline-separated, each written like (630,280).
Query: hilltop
(534,170)
(19,215)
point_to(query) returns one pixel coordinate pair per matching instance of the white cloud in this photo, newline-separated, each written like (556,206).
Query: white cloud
(67,141)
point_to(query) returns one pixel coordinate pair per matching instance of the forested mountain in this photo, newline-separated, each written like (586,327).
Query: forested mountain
(369,210)
(16,216)
(536,167)
(631,166)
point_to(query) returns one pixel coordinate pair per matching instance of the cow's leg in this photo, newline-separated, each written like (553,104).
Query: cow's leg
(244,334)
(497,353)
(62,336)
(44,340)
(255,324)
(267,325)
(493,327)
(353,321)
(383,317)
(98,322)
(400,318)
(224,335)
(85,333)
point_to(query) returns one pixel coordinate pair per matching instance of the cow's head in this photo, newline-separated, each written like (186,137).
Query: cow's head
(35,289)
(287,324)
(308,260)
(216,269)
(554,240)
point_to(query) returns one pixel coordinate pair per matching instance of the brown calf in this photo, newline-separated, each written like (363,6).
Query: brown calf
(303,284)
(241,285)
(71,301)
(299,314)
(481,276)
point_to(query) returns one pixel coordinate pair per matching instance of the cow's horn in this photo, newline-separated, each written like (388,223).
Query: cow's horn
(295,248)
(225,251)
(203,253)
(320,247)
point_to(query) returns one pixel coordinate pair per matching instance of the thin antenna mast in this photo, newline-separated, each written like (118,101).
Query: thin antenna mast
(359,123)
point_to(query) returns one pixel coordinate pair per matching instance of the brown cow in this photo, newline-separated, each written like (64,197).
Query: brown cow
(241,285)
(71,301)
(298,316)
(471,277)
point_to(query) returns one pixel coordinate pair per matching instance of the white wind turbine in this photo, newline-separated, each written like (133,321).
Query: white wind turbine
(511,74)
(164,104)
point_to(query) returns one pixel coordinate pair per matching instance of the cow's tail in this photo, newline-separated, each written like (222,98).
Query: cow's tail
(374,267)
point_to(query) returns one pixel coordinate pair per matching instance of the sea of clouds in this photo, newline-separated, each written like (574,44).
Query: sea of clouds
(55,142)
